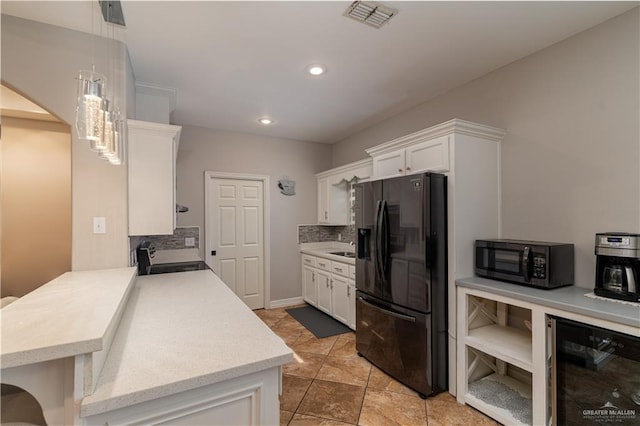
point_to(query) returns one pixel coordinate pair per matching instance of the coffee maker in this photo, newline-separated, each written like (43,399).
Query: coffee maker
(618,265)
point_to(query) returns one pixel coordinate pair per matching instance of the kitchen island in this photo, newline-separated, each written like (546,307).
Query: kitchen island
(186,351)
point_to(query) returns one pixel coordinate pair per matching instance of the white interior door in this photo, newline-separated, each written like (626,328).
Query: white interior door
(236,236)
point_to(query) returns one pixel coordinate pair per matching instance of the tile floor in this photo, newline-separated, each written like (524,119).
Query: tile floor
(328,384)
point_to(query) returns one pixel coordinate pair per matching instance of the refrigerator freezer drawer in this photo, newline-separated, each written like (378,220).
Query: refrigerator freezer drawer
(396,340)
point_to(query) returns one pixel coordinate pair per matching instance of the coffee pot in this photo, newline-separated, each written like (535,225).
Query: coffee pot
(617,265)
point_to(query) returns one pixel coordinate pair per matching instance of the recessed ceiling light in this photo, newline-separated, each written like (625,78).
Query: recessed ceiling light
(265,121)
(316,69)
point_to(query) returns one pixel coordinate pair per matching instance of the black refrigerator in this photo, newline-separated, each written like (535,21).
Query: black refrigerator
(401,278)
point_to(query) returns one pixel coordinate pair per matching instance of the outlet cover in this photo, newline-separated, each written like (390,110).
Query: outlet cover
(99,225)
(190,242)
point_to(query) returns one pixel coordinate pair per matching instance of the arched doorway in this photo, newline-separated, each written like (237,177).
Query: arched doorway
(36,195)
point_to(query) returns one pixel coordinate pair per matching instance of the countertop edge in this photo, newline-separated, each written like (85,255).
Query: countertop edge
(79,347)
(51,353)
(324,252)
(537,296)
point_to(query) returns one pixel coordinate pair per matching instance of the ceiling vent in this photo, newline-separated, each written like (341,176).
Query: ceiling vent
(112,12)
(370,13)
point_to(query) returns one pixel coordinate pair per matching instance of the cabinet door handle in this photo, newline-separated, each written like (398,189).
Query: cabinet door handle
(349,291)
(400,170)
(408,168)
(325,215)
(339,269)
(313,277)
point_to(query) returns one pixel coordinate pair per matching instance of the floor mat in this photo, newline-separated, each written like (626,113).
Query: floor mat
(317,322)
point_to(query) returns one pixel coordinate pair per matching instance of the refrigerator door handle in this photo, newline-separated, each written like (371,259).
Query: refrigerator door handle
(388,312)
(378,241)
(385,237)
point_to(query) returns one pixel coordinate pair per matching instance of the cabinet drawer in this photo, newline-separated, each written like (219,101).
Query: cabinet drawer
(308,260)
(340,268)
(352,272)
(322,263)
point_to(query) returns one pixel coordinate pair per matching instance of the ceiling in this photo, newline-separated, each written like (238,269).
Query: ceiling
(234,62)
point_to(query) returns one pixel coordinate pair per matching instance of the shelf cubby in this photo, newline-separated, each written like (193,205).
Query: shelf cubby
(497,361)
(500,390)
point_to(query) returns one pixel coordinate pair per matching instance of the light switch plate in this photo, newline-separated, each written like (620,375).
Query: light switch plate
(99,225)
(190,242)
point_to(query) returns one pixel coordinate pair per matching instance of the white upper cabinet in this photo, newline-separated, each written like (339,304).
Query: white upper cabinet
(334,191)
(416,153)
(389,164)
(428,156)
(152,153)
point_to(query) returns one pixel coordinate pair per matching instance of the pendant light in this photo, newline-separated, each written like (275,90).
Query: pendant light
(90,102)
(97,119)
(89,114)
(113,130)
(119,136)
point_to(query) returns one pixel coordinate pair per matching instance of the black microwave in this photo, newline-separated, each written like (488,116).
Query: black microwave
(531,263)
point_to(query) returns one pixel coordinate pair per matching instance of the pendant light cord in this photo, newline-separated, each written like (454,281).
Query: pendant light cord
(93,39)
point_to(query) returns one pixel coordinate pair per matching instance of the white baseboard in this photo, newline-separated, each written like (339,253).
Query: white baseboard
(285,302)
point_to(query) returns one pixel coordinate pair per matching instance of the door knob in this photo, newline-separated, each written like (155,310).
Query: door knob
(213,252)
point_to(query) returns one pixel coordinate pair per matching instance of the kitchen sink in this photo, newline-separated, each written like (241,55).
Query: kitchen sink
(344,253)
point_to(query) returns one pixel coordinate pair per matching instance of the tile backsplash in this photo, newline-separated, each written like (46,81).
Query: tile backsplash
(169,242)
(322,233)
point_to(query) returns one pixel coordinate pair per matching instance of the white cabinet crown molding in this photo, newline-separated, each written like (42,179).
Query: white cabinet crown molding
(157,128)
(345,168)
(452,126)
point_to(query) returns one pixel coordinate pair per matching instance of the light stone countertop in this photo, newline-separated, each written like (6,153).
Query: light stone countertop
(570,299)
(176,256)
(323,249)
(68,316)
(181,331)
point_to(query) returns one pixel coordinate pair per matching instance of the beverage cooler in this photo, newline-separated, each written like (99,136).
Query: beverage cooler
(595,375)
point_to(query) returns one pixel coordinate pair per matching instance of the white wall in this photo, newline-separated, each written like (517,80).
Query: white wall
(570,158)
(204,149)
(36,180)
(41,62)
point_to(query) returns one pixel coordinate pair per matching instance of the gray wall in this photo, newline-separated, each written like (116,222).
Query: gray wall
(41,62)
(204,149)
(570,158)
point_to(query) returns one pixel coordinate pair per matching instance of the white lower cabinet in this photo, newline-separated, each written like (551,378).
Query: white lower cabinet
(309,285)
(323,279)
(246,400)
(340,298)
(351,295)
(330,286)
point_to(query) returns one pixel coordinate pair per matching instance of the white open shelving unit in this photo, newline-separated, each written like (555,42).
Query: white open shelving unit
(501,357)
